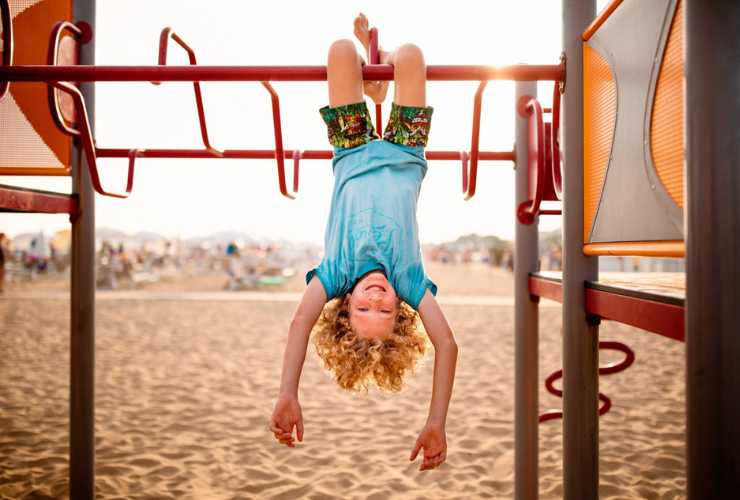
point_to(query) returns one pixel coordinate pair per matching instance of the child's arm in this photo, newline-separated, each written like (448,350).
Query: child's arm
(432,438)
(287,413)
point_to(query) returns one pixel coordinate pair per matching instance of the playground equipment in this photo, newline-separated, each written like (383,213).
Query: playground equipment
(618,171)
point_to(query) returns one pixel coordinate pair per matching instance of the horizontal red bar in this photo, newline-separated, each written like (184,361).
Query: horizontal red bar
(651,315)
(38,73)
(549,289)
(267,154)
(657,317)
(27,200)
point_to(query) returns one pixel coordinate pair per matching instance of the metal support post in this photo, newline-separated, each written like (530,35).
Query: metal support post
(525,320)
(82,303)
(580,338)
(712,221)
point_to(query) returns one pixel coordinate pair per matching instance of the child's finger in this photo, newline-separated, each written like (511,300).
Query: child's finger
(299,429)
(415,451)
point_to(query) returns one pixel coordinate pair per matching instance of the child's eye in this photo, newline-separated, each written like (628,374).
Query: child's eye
(363,309)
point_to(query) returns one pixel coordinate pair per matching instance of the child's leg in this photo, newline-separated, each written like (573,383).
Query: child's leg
(347,118)
(410,76)
(344,74)
(410,117)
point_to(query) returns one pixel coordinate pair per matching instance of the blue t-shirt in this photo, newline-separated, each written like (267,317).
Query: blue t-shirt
(372,222)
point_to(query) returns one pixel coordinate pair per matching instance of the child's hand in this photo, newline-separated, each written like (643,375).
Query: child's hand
(434,441)
(285,416)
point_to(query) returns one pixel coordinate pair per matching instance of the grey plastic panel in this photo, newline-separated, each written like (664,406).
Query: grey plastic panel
(634,206)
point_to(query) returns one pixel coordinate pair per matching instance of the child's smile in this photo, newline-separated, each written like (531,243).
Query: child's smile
(373,306)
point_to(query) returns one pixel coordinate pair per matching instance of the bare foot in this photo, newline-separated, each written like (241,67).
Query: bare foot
(375,90)
(362,31)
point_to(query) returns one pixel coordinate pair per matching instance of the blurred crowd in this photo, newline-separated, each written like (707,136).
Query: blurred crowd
(131,263)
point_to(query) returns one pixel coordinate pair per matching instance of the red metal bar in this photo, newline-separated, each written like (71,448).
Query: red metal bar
(528,210)
(7,45)
(164,38)
(653,316)
(374,57)
(279,152)
(269,154)
(88,145)
(556,157)
(81,34)
(464,156)
(81,73)
(473,173)
(296,169)
(550,289)
(28,200)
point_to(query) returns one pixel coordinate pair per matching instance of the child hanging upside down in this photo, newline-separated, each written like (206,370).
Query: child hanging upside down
(372,272)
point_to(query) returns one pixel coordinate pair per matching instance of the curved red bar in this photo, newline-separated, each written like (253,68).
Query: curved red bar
(464,160)
(629,359)
(279,152)
(528,210)
(88,146)
(472,175)
(56,36)
(557,159)
(164,38)
(7,43)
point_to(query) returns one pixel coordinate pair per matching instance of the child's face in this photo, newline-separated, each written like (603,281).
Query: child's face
(373,306)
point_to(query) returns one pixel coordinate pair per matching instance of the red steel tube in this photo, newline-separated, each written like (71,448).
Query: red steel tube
(269,154)
(164,38)
(54,41)
(29,200)
(81,73)
(472,174)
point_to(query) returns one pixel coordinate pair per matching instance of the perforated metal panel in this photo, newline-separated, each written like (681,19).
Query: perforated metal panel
(666,128)
(633,131)
(30,143)
(599,115)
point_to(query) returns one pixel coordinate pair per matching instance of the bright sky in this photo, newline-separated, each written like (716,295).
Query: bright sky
(196,197)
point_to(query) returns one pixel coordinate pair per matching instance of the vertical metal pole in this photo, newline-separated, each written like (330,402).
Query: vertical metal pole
(82,342)
(712,248)
(526,312)
(580,338)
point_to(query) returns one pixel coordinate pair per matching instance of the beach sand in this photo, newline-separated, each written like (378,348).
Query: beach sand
(184,390)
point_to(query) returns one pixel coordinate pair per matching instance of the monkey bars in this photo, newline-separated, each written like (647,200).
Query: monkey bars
(58,77)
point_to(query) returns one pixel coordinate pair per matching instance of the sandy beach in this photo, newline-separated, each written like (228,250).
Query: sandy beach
(185,389)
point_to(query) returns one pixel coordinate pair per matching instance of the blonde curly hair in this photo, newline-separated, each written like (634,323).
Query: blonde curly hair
(356,361)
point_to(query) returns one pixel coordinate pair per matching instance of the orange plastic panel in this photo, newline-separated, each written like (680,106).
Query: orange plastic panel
(31,144)
(643,248)
(599,113)
(667,121)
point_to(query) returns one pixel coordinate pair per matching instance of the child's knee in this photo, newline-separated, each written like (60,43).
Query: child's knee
(408,57)
(343,51)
